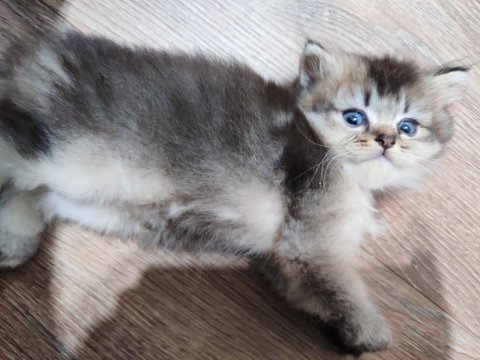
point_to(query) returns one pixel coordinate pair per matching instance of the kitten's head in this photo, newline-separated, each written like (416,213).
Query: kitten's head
(385,120)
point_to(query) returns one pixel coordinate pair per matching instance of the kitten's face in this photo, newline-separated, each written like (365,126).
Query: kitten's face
(384,120)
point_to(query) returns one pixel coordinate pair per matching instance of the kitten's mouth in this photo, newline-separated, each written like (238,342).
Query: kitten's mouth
(381,157)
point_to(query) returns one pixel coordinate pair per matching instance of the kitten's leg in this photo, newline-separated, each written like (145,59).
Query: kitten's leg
(325,285)
(317,279)
(21,226)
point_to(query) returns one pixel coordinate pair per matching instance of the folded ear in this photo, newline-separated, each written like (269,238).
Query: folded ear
(314,63)
(449,82)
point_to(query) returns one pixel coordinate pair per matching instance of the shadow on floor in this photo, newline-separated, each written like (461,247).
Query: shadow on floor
(222,313)
(27,321)
(420,326)
(201,314)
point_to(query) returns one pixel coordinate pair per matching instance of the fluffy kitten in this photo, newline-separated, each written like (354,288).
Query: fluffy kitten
(191,152)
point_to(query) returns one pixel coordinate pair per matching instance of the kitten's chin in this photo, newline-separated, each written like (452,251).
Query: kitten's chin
(381,174)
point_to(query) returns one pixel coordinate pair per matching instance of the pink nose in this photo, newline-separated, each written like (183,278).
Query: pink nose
(386,141)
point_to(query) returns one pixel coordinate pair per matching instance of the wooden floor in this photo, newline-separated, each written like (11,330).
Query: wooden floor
(86,297)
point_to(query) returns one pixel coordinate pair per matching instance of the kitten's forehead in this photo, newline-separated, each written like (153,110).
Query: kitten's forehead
(386,89)
(367,95)
(368,79)
(390,76)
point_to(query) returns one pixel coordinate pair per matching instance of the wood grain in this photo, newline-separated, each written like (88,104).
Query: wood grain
(86,297)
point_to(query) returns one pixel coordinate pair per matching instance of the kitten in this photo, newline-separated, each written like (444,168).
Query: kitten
(198,153)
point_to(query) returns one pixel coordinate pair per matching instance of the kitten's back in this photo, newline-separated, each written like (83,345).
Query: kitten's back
(74,84)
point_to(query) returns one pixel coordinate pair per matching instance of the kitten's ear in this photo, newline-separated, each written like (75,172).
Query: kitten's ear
(449,82)
(314,63)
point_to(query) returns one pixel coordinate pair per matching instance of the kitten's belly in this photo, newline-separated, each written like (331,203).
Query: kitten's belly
(92,187)
(235,222)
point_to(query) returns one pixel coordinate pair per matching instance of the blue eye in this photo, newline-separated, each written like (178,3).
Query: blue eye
(408,127)
(354,117)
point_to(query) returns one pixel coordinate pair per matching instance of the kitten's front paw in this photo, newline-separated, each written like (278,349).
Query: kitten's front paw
(362,332)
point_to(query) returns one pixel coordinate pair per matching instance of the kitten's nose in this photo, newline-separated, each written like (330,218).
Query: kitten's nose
(386,141)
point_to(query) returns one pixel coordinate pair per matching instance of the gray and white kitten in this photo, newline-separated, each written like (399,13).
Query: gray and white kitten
(198,153)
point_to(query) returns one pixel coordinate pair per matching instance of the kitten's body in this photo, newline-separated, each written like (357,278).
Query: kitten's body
(186,151)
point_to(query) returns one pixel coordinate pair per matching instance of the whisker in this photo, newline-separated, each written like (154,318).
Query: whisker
(324,170)
(306,171)
(325,175)
(318,166)
(348,138)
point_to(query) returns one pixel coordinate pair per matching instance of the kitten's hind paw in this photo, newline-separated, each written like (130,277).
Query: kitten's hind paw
(15,251)
(21,227)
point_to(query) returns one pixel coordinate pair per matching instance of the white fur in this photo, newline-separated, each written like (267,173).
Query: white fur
(176,209)
(359,219)
(49,61)
(86,170)
(9,160)
(448,87)
(19,215)
(341,221)
(255,212)
(36,76)
(20,227)
(354,215)
(101,218)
